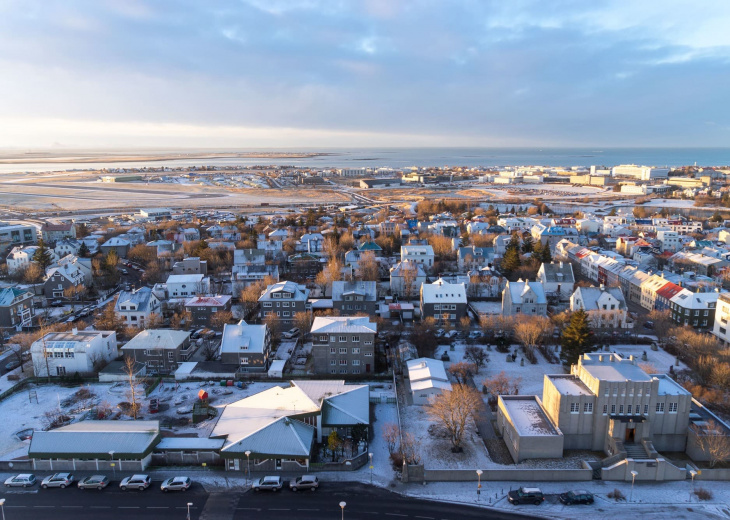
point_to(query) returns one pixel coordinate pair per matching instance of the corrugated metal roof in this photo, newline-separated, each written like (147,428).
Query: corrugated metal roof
(189,443)
(284,437)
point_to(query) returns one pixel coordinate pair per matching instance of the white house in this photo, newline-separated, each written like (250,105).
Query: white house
(427,378)
(406,279)
(181,285)
(135,307)
(419,254)
(522,297)
(557,279)
(68,353)
(606,307)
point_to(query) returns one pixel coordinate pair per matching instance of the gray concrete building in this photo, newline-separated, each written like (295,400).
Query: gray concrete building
(351,298)
(343,345)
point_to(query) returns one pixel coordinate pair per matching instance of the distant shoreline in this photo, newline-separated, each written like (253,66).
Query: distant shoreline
(41,158)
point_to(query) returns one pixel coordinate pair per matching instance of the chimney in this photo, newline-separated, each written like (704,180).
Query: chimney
(561,264)
(75,331)
(240,330)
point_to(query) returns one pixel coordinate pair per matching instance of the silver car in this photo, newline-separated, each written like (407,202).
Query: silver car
(60,480)
(94,482)
(139,482)
(22,480)
(176,484)
(304,482)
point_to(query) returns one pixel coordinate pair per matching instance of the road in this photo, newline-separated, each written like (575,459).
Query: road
(362,502)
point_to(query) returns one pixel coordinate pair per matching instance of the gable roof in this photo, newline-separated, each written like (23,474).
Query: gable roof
(338,324)
(8,294)
(139,297)
(441,291)
(157,339)
(367,289)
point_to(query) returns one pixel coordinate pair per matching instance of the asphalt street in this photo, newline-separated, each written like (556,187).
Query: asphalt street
(362,502)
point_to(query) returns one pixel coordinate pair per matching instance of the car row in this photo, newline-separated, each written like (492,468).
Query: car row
(275,483)
(533,495)
(99,482)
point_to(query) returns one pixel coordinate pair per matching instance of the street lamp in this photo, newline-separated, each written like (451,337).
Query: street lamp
(371,466)
(342,506)
(479,486)
(248,465)
(189,504)
(633,478)
(111,461)
(2,507)
(694,474)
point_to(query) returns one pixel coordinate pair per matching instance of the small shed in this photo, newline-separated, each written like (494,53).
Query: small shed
(276,370)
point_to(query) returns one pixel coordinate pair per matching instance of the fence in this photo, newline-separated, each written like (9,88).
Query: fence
(513,475)
(348,465)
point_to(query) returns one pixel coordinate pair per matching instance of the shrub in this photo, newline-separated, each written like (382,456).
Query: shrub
(397,459)
(617,495)
(703,494)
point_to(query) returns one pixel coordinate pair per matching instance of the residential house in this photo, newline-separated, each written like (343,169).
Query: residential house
(427,379)
(557,279)
(473,257)
(17,234)
(249,257)
(696,310)
(67,246)
(406,279)
(190,265)
(649,289)
(160,350)
(722,316)
(184,285)
(82,264)
(665,295)
(75,352)
(303,267)
(698,263)
(68,277)
(247,346)
(54,231)
(343,345)
(20,258)
(16,309)
(670,241)
(418,254)
(311,243)
(355,297)
(119,245)
(284,300)
(605,306)
(135,307)
(523,297)
(244,275)
(276,430)
(271,246)
(443,301)
(203,308)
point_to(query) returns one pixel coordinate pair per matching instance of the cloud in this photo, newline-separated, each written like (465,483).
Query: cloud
(523,72)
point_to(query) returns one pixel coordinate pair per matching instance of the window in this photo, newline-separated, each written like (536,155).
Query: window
(333,350)
(660,408)
(355,362)
(343,362)
(588,408)
(605,409)
(629,410)
(356,350)
(333,361)
(333,371)
(343,339)
(285,304)
(437,307)
(356,339)
(574,407)
(286,314)
(244,361)
(368,354)
(343,350)
(333,339)
(267,304)
(621,409)
(672,407)
(646,409)
(60,371)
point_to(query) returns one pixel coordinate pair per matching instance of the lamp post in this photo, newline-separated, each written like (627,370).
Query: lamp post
(694,474)
(371,466)
(2,507)
(111,461)
(633,478)
(248,465)
(342,506)
(189,504)
(479,486)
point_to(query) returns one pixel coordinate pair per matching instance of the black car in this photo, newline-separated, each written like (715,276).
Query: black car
(525,495)
(578,496)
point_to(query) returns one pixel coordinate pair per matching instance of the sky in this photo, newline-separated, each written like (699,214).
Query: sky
(361,73)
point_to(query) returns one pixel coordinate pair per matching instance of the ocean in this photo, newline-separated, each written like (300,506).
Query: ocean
(405,157)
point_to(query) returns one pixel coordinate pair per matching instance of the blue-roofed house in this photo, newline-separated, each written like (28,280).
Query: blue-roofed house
(473,257)
(135,307)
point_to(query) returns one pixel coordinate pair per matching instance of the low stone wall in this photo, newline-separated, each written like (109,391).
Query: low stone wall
(713,474)
(514,475)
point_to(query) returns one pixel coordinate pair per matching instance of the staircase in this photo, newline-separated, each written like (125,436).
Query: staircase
(635,451)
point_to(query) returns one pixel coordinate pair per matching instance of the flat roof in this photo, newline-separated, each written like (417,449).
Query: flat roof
(667,386)
(616,371)
(527,416)
(569,385)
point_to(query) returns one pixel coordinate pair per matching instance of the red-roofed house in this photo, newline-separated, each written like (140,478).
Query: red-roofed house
(665,294)
(202,308)
(54,231)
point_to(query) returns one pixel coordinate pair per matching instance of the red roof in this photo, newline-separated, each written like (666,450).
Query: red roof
(669,290)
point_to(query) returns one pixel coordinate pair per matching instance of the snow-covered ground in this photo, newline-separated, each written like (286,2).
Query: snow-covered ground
(487,307)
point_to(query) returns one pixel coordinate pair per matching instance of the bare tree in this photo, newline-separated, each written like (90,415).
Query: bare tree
(368,267)
(221,318)
(453,409)
(391,434)
(477,355)
(409,273)
(410,448)
(153,321)
(129,369)
(462,372)
(529,331)
(303,321)
(502,384)
(713,440)
(662,324)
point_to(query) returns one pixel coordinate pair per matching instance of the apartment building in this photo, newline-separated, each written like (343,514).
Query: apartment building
(284,299)
(351,298)
(59,354)
(343,345)
(696,310)
(161,350)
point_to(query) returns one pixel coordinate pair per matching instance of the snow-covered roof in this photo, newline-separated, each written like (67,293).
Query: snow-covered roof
(139,297)
(185,278)
(189,443)
(219,300)
(525,413)
(335,324)
(441,291)
(243,337)
(369,290)
(425,373)
(9,294)
(157,339)
(569,385)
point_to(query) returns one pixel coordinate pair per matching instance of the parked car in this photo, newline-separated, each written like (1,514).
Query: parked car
(22,480)
(12,365)
(124,271)
(578,496)
(304,482)
(176,484)
(94,482)
(451,334)
(525,495)
(648,324)
(293,333)
(139,482)
(57,303)
(57,480)
(271,483)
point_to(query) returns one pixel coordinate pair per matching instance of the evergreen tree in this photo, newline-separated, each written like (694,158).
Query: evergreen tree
(576,339)
(511,260)
(42,256)
(716,217)
(547,255)
(612,213)
(84,250)
(527,245)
